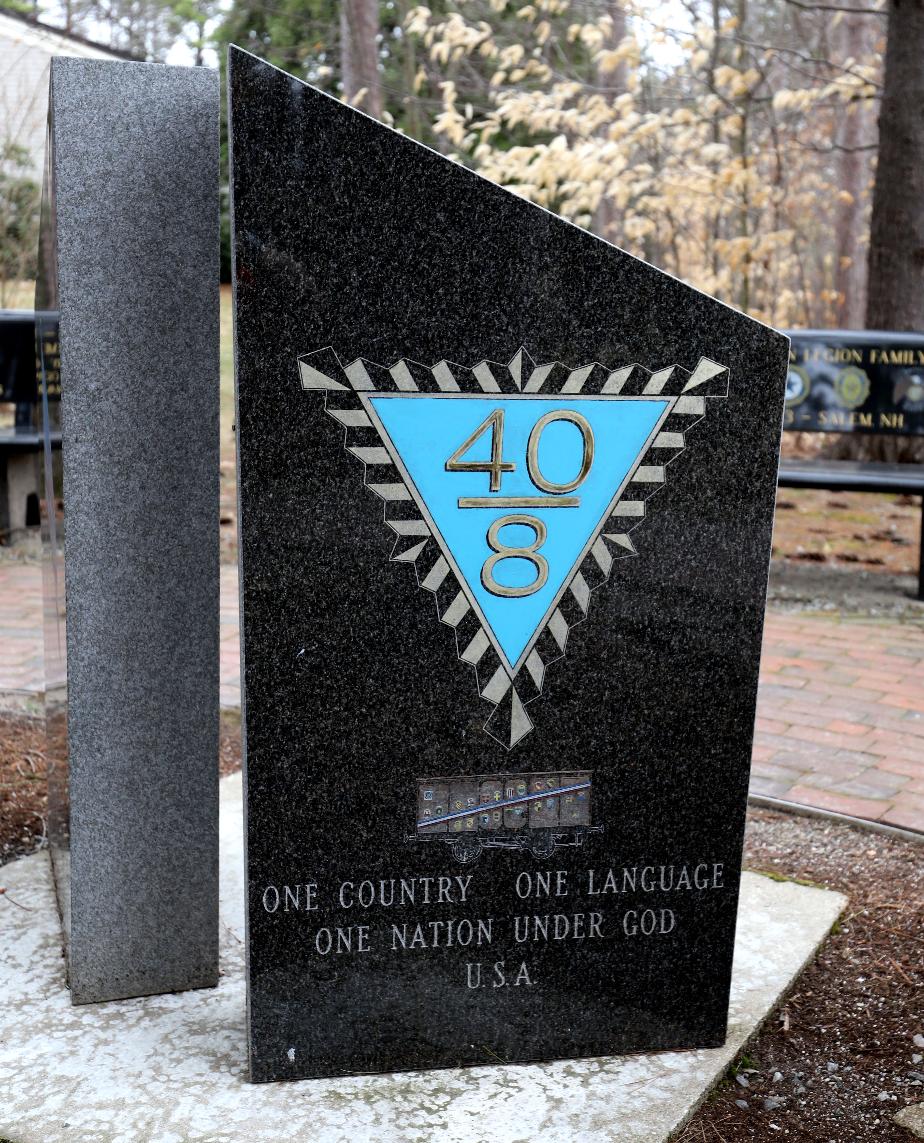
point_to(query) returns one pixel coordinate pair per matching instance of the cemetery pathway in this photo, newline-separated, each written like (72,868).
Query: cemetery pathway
(840,713)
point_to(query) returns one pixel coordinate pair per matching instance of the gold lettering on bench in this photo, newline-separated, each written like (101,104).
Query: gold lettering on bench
(838,419)
(896,357)
(837,354)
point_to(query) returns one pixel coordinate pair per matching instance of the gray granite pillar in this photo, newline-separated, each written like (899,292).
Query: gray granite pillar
(129,281)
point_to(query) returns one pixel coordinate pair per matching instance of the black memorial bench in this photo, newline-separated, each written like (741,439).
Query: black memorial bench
(21,442)
(856,382)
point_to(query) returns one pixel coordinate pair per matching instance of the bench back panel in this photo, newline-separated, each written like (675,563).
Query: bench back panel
(863,381)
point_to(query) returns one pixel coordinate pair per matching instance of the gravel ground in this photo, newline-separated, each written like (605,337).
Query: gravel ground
(829,588)
(845,1051)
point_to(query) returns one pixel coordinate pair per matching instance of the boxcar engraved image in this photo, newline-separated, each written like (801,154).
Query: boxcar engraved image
(535,812)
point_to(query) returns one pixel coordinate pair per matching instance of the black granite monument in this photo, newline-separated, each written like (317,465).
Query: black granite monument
(506,507)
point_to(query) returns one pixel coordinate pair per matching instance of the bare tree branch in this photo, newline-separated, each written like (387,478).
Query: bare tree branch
(806,58)
(837,148)
(837,8)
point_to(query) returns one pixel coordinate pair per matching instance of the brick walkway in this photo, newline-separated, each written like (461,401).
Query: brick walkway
(21,658)
(840,716)
(840,711)
(229,650)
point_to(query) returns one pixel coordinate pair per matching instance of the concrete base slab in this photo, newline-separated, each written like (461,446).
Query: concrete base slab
(171,1069)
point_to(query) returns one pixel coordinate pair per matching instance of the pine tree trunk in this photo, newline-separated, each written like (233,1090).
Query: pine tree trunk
(896,252)
(895,279)
(359,48)
(857,131)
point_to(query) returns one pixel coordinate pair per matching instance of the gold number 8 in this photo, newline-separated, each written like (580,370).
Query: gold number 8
(503,552)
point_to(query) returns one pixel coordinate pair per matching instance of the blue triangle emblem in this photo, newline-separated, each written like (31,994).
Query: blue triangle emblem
(512,490)
(516,488)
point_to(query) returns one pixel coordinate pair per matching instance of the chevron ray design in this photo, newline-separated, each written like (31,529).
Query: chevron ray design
(349,391)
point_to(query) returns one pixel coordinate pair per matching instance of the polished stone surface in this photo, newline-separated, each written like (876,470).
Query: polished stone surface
(172,1069)
(130,271)
(381,682)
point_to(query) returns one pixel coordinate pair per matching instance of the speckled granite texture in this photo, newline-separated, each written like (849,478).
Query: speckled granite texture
(353,239)
(172,1069)
(134,205)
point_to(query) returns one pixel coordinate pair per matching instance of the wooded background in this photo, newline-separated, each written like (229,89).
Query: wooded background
(771,154)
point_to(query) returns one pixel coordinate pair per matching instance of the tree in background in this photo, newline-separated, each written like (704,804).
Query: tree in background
(20,200)
(896,246)
(301,36)
(896,254)
(737,151)
(195,22)
(359,54)
(145,29)
(614,79)
(716,148)
(356,50)
(854,37)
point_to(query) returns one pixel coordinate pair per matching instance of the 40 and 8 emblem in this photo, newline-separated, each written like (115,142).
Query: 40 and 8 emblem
(512,489)
(550,493)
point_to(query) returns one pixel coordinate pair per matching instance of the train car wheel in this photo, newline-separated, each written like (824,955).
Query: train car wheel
(542,845)
(466,849)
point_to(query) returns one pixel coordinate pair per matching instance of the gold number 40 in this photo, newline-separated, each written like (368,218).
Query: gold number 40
(496,467)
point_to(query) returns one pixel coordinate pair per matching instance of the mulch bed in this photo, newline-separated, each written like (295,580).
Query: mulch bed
(23,784)
(857,530)
(23,787)
(837,1059)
